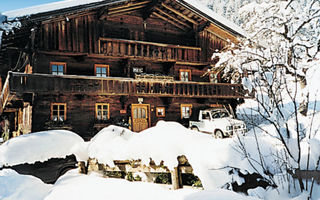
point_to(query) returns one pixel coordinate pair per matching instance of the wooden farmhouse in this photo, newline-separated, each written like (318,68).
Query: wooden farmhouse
(123,62)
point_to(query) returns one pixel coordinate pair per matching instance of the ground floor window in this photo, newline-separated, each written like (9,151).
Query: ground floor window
(58,111)
(186,110)
(102,111)
(58,68)
(160,112)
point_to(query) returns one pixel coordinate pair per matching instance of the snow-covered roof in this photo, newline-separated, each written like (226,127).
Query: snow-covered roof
(193,5)
(47,8)
(202,9)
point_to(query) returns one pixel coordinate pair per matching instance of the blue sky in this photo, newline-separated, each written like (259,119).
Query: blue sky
(6,5)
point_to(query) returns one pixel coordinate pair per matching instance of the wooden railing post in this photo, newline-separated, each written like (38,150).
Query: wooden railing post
(176,180)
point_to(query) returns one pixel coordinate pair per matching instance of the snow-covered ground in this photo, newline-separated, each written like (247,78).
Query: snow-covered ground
(212,159)
(82,187)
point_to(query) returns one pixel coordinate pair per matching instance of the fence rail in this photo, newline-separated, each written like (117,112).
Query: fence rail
(42,83)
(150,50)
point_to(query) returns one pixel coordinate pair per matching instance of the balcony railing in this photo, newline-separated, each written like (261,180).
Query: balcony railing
(41,83)
(149,50)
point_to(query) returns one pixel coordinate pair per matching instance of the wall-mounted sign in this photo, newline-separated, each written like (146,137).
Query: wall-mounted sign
(140,100)
(123,111)
(137,70)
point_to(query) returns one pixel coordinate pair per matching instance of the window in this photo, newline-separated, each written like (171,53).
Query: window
(186,110)
(205,116)
(58,112)
(58,68)
(101,70)
(160,112)
(185,74)
(102,111)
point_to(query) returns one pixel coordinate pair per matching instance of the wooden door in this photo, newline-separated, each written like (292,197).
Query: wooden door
(140,117)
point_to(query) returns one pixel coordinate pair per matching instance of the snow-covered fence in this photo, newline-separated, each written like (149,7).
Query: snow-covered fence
(150,171)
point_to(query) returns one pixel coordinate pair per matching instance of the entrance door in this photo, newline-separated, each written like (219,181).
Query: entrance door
(140,117)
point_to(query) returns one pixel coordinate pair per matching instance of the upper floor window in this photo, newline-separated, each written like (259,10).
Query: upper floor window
(59,111)
(186,110)
(102,111)
(160,112)
(58,68)
(185,74)
(101,70)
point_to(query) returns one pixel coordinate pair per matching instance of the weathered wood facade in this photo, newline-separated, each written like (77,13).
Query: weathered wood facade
(131,63)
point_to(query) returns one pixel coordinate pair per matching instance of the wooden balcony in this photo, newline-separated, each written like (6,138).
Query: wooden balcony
(149,50)
(71,84)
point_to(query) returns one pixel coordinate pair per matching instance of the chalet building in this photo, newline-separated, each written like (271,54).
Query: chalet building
(125,62)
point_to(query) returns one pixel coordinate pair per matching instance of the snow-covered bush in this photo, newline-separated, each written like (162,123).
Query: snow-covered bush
(278,62)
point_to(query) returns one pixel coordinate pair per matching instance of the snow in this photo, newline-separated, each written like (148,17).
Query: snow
(14,186)
(313,77)
(73,185)
(168,140)
(203,8)
(83,187)
(161,143)
(218,194)
(46,8)
(42,146)
(212,161)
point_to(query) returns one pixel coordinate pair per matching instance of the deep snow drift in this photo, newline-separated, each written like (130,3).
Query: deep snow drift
(83,187)
(14,186)
(42,146)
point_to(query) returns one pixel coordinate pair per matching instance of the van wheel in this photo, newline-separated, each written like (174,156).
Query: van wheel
(194,128)
(218,134)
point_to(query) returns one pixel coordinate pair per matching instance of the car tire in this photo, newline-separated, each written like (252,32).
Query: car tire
(218,134)
(194,128)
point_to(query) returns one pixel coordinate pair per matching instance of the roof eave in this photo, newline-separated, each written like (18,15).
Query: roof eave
(217,23)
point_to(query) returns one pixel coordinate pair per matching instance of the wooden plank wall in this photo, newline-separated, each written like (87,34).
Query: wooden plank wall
(209,43)
(77,34)
(81,109)
(81,34)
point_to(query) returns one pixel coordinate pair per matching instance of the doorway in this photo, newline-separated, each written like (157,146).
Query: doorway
(140,117)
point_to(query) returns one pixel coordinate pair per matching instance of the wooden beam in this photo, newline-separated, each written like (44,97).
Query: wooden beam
(171,17)
(170,21)
(175,178)
(179,13)
(60,53)
(129,5)
(102,13)
(125,10)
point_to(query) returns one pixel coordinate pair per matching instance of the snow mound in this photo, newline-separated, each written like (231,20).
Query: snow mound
(14,186)
(42,146)
(83,187)
(211,159)
(218,194)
